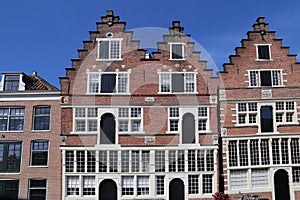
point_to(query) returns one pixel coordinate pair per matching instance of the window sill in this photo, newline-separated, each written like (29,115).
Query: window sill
(172,132)
(179,59)
(42,166)
(22,131)
(174,93)
(263,59)
(132,133)
(11,173)
(114,94)
(119,59)
(36,131)
(84,133)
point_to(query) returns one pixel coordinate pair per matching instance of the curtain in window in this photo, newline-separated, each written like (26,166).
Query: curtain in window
(104,50)
(177,83)
(108,83)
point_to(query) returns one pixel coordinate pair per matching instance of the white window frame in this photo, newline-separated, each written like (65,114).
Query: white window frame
(109,48)
(257,56)
(161,80)
(41,115)
(10,116)
(285,111)
(172,118)
(37,188)
(129,119)
(182,50)
(204,118)
(86,120)
(258,80)
(247,113)
(117,89)
(39,150)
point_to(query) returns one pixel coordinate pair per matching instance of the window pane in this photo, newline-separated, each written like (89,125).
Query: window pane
(263,52)
(89,187)
(177,83)
(103,49)
(160,185)
(243,152)
(165,82)
(254,78)
(207,183)
(189,83)
(238,179)
(37,189)
(259,178)
(11,82)
(42,118)
(127,185)
(73,185)
(177,51)
(115,49)
(9,189)
(265,78)
(143,185)
(122,83)
(193,184)
(108,83)
(232,148)
(94,83)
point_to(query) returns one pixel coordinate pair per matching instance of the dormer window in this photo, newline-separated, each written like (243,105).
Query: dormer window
(266,77)
(109,49)
(263,52)
(11,82)
(176,51)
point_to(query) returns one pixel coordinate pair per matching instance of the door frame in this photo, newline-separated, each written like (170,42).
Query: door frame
(290,178)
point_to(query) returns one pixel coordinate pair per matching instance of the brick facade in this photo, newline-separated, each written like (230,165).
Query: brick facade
(129,124)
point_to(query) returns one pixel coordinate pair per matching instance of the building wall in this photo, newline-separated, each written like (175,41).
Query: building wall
(52,172)
(243,97)
(143,93)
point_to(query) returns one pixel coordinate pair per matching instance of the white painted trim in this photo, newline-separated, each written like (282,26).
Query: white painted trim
(3,99)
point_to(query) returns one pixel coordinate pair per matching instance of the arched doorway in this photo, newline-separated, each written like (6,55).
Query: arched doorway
(188,129)
(108,190)
(176,189)
(281,185)
(107,129)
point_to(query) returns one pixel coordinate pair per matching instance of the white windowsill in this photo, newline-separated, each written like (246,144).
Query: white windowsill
(113,94)
(263,59)
(119,59)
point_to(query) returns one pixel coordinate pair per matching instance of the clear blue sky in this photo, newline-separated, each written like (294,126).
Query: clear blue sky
(43,35)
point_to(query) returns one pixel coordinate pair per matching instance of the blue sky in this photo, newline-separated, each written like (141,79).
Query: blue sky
(43,35)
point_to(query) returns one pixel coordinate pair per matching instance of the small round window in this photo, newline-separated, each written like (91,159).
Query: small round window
(109,34)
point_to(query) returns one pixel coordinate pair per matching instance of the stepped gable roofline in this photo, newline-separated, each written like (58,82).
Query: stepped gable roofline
(176,30)
(110,19)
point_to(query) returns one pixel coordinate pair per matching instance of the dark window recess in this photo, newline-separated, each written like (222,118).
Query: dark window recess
(266,119)
(11,82)
(104,50)
(37,189)
(177,83)
(177,51)
(265,78)
(108,83)
(39,153)
(263,52)
(41,118)
(10,157)
(9,189)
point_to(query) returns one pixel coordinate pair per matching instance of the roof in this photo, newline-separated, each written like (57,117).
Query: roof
(35,82)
